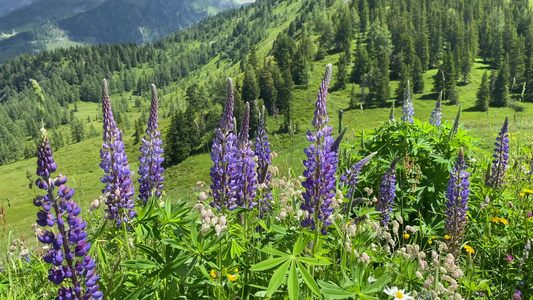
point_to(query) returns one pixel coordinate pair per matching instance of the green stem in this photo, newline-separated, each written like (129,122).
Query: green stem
(126,240)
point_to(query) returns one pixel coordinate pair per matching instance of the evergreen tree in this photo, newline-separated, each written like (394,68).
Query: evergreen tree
(500,93)
(268,91)
(285,95)
(418,77)
(343,32)
(353,98)
(483,94)
(250,88)
(341,75)
(283,50)
(362,63)
(405,77)
(77,130)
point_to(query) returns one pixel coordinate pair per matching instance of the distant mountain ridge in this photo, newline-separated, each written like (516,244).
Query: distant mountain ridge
(47,24)
(7,6)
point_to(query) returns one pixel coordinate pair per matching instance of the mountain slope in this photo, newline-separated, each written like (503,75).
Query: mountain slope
(9,5)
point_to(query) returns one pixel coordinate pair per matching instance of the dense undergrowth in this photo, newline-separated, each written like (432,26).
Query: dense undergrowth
(411,210)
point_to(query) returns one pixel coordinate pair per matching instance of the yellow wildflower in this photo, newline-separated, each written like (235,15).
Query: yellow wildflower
(528,191)
(495,220)
(447,237)
(430,242)
(406,236)
(469,249)
(522,194)
(504,221)
(514,138)
(348,223)
(232,277)
(236,270)
(213,273)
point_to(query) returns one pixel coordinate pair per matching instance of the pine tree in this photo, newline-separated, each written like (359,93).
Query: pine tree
(362,63)
(500,93)
(250,88)
(268,91)
(285,95)
(341,75)
(344,30)
(353,98)
(418,77)
(483,94)
(405,77)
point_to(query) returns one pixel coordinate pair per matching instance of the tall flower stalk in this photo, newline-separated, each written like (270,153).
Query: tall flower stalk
(436,114)
(457,204)
(224,157)
(118,177)
(501,155)
(387,192)
(351,176)
(246,183)
(69,246)
(264,160)
(150,170)
(407,106)
(320,166)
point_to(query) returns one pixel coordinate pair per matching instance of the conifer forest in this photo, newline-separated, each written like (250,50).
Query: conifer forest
(268,149)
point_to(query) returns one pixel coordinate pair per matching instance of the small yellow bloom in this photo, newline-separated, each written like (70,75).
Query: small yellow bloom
(348,223)
(406,236)
(514,138)
(430,242)
(495,220)
(433,237)
(504,221)
(236,270)
(528,191)
(232,277)
(522,194)
(469,249)
(213,273)
(447,237)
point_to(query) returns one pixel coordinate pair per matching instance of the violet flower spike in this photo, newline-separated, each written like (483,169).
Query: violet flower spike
(264,160)
(224,156)
(407,106)
(118,178)
(245,184)
(457,204)
(436,114)
(351,176)
(68,246)
(150,170)
(320,166)
(501,156)
(387,192)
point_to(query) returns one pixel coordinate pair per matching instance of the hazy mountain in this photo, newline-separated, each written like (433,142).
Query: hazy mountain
(7,6)
(48,24)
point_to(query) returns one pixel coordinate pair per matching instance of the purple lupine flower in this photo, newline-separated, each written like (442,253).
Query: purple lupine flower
(264,160)
(517,295)
(320,166)
(150,170)
(245,185)
(224,157)
(457,204)
(436,114)
(351,176)
(407,106)
(501,155)
(69,246)
(118,178)
(387,192)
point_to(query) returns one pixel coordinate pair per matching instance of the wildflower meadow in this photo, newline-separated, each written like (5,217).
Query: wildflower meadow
(410,210)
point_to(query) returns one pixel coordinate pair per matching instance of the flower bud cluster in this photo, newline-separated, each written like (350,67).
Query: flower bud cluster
(210,219)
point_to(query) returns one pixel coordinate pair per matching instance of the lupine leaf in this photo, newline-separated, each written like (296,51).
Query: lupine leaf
(309,280)
(268,264)
(277,278)
(293,286)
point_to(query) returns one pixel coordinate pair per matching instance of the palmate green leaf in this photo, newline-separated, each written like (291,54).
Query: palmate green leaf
(293,286)
(142,264)
(299,246)
(172,267)
(377,285)
(314,261)
(273,251)
(277,278)
(150,252)
(236,249)
(308,279)
(333,291)
(173,243)
(268,264)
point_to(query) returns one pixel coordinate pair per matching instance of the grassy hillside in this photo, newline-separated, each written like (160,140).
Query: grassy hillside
(80,161)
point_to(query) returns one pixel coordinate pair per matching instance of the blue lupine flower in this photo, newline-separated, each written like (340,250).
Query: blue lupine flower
(407,107)
(224,156)
(436,114)
(387,192)
(118,178)
(351,176)
(150,170)
(69,245)
(320,166)
(457,203)
(501,155)
(264,160)
(245,184)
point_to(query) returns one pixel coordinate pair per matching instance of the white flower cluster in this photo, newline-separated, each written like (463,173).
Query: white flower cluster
(210,219)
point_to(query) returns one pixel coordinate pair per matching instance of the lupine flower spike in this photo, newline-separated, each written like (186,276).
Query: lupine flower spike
(457,204)
(436,114)
(246,183)
(69,246)
(455,127)
(224,156)
(320,166)
(351,176)
(264,160)
(118,178)
(501,155)
(407,106)
(150,170)
(387,192)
